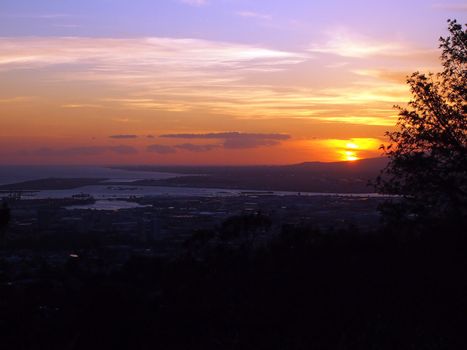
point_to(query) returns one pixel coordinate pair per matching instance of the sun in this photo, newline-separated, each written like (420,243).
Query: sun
(353,149)
(350,156)
(352,145)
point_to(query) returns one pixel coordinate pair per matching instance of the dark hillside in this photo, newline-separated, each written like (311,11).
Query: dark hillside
(341,177)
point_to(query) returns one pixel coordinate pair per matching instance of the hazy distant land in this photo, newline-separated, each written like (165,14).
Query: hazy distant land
(338,177)
(51,184)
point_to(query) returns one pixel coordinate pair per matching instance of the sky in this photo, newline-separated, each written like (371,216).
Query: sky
(209,81)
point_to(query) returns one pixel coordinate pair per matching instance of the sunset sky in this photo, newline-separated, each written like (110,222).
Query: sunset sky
(209,81)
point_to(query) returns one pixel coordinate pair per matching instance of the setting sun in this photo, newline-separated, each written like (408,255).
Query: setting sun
(352,149)
(350,156)
(352,145)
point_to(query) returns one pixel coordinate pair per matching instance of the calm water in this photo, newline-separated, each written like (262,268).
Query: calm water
(12,174)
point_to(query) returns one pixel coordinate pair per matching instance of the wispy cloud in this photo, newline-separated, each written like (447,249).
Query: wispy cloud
(17,99)
(251,14)
(36,15)
(190,147)
(67,26)
(195,2)
(345,43)
(227,135)
(139,57)
(191,75)
(236,140)
(450,7)
(123,136)
(352,104)
(80,151)
(227,140)
(161,149)
(197,148)
(126,120)
(81,105)
(394,76)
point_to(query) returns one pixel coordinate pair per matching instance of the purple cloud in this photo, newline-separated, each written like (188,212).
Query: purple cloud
(80,151)
(197,148)
(123,136)
(236,140)
(161,149)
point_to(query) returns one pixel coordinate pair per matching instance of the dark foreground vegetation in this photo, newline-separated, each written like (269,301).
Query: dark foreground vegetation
(398,289)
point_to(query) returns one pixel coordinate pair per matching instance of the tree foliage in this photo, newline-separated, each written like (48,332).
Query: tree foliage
(428,152)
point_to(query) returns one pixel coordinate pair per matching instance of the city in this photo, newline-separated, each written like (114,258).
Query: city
(56,230)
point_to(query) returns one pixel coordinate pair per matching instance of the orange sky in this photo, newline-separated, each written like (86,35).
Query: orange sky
(113,99)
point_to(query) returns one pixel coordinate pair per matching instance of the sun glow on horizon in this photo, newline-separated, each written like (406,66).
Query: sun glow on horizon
(76,74)
(353,149)
(352,145)
(350,156)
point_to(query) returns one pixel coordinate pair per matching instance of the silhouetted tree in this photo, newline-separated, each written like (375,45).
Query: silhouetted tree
(428,152)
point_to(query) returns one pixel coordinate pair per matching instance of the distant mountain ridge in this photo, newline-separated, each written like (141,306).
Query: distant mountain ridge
(371,166)
(368,164)
(335,177)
